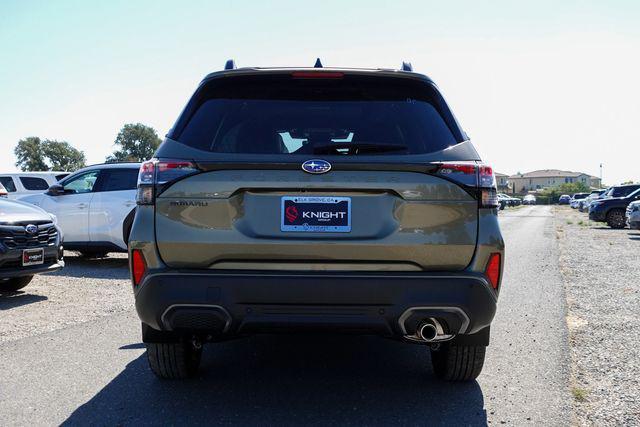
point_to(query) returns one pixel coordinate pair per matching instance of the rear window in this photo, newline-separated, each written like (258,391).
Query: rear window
(32,184)
(346,116)
(8,184)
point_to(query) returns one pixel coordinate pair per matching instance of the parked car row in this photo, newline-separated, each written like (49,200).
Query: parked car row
(21,184)
(575,200)
(507,201)
(92,208)
(95,207)
(616,206)
(583,204)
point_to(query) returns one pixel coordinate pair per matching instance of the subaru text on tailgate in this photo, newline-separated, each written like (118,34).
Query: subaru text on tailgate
(316,200)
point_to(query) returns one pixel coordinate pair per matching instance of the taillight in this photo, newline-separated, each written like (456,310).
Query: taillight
(138,266)
(156,173)
(493,269)
(146,182)
(475,176)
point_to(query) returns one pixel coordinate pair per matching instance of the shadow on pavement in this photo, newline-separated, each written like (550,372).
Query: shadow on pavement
(295,380)
(99,268)
(18,299)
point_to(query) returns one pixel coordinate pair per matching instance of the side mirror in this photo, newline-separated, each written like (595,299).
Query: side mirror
(55,190)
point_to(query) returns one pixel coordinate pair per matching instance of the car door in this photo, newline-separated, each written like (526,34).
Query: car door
(113,200)
(72,206)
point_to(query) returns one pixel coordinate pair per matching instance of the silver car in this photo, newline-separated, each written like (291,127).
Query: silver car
(633,215)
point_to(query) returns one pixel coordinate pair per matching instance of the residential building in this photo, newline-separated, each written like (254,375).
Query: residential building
(545,178)
(503,181)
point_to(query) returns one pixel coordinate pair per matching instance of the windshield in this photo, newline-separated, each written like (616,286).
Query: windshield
(348,116)
(623,191)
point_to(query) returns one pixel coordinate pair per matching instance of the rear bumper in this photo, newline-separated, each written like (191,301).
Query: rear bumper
(597,215)
(227,304)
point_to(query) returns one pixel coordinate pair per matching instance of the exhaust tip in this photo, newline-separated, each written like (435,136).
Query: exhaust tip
(427,331)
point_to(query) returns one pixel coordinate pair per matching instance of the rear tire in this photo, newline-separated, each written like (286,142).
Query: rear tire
(616,219)
(14,284)
(458,362)
(173,360)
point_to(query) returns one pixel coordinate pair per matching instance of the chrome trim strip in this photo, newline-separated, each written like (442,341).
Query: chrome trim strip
(224,310)
(404,316)
(333,276)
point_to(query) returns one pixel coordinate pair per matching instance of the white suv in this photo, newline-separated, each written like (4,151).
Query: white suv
(19,184)
(95,207)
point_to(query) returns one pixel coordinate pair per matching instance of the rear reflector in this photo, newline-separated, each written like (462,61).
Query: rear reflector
(138,266)
(493,269)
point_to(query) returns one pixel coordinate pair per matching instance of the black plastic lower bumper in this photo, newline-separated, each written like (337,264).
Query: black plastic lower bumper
(30,271)
(597,216)
(237,303)
(11,262)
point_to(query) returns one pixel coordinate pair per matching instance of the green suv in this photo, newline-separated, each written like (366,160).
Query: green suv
(316,200)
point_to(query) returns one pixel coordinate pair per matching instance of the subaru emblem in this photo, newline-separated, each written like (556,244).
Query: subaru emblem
(31,229)
(316,166)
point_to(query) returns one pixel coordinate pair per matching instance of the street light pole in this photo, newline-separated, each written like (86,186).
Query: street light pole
(600,174)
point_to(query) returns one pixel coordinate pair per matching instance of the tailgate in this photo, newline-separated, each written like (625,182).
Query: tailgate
(237,219)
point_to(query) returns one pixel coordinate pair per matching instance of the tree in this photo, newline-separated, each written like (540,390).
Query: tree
(62,156)
(34,154)
(570,188)
(30,156)
(136,143)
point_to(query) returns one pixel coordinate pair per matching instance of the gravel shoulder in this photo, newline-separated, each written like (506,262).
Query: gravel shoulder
(85,290)
(599,268)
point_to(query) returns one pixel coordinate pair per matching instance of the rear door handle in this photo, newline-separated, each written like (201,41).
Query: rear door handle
(82,205)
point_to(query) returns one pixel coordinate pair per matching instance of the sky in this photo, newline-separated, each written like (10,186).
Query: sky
(536,85)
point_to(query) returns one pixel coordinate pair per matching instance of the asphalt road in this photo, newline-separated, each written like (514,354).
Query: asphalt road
(96,372)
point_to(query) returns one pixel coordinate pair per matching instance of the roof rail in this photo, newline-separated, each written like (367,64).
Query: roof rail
(230,65)
(406,66)
(318,64)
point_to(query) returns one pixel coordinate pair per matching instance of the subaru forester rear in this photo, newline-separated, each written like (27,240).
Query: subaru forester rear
(316,200)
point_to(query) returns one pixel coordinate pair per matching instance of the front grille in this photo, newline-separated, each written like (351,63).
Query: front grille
(16,237)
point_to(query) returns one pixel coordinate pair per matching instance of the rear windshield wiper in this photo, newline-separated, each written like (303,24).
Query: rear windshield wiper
(357,148)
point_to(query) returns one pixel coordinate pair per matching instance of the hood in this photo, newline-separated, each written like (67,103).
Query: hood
(13,211)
